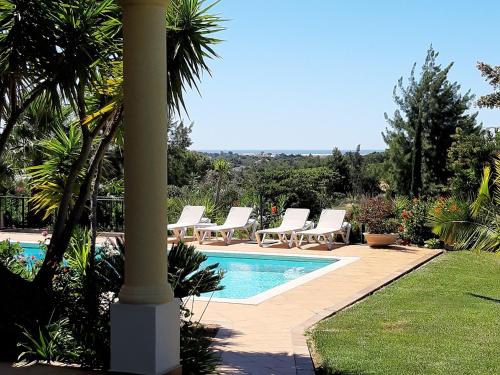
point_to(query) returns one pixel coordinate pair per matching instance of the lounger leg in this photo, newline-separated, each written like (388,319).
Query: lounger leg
(224,236)
(301,239)
(197,235)
(331,240)
(254,229)
(257,238)
(346,234)
(230,237)
(296,239)
(290,242)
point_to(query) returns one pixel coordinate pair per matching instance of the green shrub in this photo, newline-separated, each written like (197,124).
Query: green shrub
(414,222)
(433,243)
(49,343)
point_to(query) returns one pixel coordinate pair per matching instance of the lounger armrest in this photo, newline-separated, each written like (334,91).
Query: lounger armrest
(308,225)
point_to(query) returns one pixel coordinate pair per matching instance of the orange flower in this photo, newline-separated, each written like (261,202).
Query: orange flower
(454,207)
(274,210)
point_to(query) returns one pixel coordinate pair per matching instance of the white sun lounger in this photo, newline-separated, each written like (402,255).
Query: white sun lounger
(295,219)
(331,222)
(190,217)
(238,218)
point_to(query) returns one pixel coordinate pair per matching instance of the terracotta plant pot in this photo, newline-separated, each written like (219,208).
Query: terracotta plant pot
(380,240)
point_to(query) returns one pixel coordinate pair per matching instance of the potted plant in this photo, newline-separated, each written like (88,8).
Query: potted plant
(379,216)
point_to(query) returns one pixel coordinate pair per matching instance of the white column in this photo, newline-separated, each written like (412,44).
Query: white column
(145,322)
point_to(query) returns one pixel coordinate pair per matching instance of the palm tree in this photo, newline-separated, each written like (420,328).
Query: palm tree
(87,70)
(474,226)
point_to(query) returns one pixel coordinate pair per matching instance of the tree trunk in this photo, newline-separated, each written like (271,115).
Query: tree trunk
(92,297)
(416,171)
(64,227)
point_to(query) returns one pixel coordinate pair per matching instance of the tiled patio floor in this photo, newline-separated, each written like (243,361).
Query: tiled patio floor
(268,338)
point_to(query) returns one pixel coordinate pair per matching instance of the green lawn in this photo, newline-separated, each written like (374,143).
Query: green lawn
(441,319)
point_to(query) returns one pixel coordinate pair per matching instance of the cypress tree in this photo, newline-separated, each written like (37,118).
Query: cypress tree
(429,110)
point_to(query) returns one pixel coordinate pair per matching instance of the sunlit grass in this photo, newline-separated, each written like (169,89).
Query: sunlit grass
(441,319)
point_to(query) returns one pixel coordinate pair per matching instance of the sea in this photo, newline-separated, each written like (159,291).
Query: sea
(270,152)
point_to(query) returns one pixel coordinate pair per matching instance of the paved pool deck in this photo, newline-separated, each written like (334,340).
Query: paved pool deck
(269,337)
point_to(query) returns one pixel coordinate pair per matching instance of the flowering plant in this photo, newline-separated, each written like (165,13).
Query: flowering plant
(378,214)
(414,217)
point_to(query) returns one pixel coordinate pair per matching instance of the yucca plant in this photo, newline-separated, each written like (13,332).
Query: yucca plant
(186,274)
(78,252)
(49,178)
(475,225)
(190,29)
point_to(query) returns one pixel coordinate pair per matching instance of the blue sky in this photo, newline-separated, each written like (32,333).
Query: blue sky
(319,74)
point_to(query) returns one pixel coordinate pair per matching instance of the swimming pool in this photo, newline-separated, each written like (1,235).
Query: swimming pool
(251,278)
(246,275)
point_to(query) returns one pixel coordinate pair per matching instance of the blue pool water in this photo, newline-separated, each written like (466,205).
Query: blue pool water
(32,250)
(246,275)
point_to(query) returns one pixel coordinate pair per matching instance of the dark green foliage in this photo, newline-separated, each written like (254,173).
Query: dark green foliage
(76,329)
(51,343)
(186,275)
(183,166)
(430,109)
(196,355)
(311,188)
(467,156)
(339,165)
(363,171)
(472,225)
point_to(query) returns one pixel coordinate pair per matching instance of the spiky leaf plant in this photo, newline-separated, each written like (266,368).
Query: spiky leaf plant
(474,226)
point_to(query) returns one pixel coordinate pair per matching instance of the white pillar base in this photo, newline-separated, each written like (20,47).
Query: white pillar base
(145,339)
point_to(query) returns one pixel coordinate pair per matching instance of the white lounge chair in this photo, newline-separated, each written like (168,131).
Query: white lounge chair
(190,217)
(295,219)
(237,218)
(331,222)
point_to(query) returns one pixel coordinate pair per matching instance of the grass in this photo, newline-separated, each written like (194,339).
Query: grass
(441,319)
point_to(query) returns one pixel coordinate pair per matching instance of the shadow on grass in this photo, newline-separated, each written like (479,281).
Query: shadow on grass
(486,298)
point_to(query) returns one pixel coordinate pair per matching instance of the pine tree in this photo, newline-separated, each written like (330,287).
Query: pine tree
(430,109)
(492,76)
